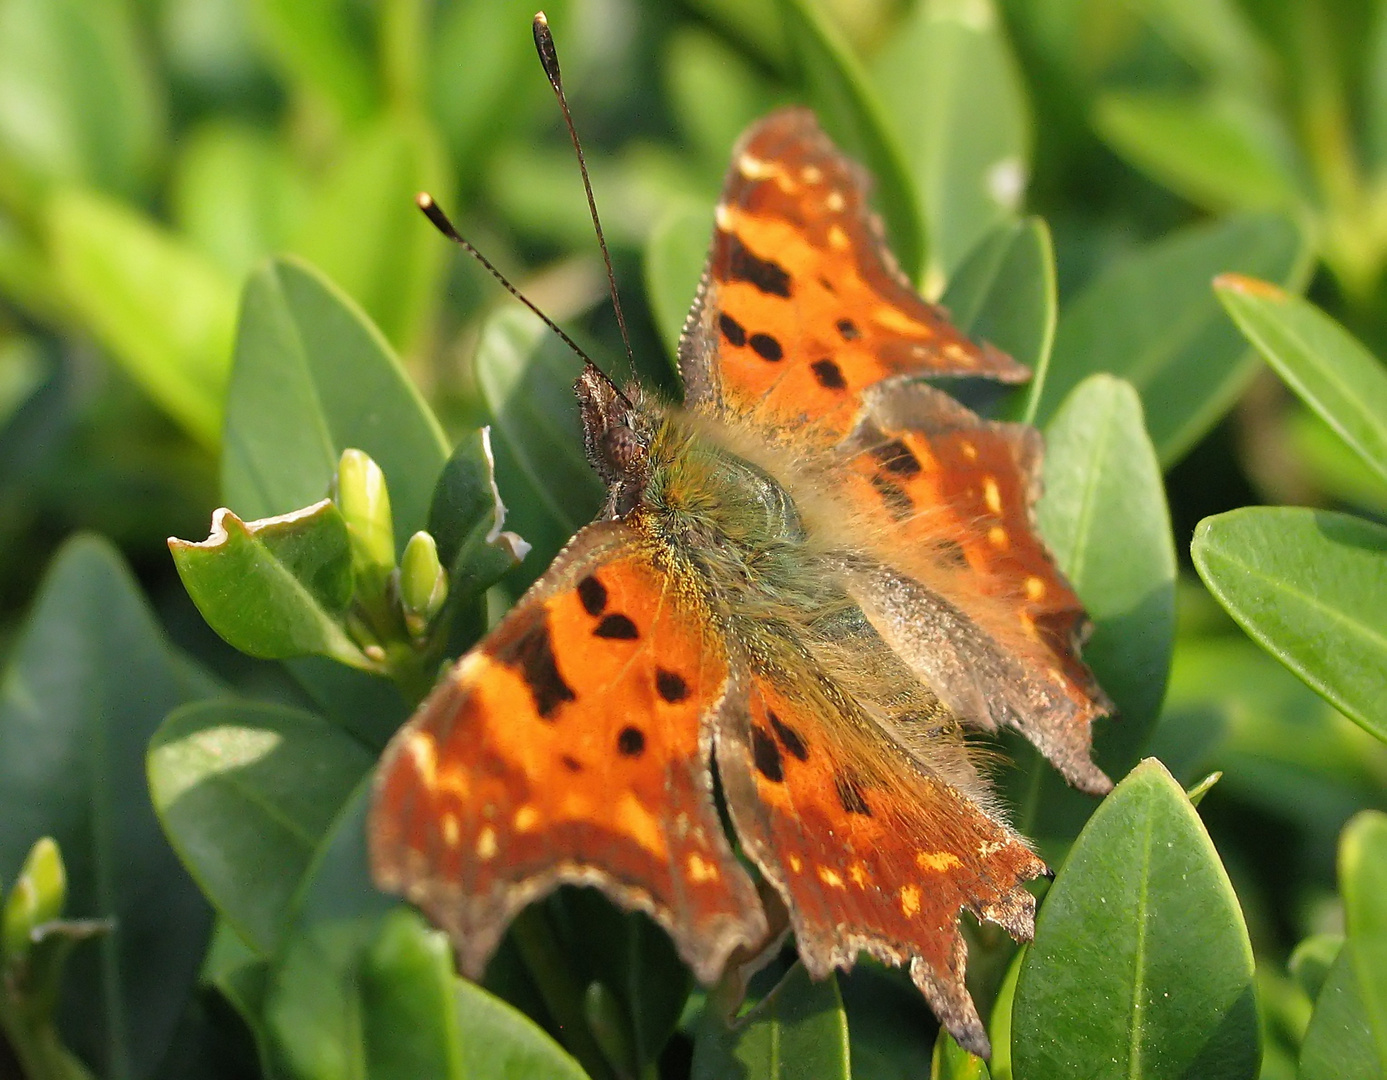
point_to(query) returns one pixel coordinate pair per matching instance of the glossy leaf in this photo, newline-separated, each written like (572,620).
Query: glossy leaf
(526,378)
(674,260)
(246,792)
(78,104)
(954,98)
(1363,882)
(1152,319)
(88,681)
(498,1040)
(1141,965)
(1220,150)
(952,1062)
(366,234)
(798,1030)
(1311,588)
(277,587)
(1312,960)
(1103,514)
(1339,1041)
(159,307)
(1004,292)
(852,114)
(313,377)
(1318,359)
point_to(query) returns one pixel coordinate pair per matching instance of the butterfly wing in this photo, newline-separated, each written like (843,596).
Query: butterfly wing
(965,590)
(873,847)
(570,746)
(802,306)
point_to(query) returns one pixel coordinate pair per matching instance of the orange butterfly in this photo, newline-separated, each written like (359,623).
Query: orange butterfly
(811,577)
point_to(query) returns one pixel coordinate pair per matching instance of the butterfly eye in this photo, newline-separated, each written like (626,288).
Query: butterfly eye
(623,448)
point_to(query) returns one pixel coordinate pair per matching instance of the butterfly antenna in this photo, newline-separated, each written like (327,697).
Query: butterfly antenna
(440,221)
(549,59)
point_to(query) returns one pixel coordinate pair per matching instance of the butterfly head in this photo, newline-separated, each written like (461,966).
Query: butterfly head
(617,435)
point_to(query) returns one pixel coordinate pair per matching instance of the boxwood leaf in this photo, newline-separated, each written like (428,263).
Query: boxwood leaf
(952,1062)
(1310,587)
(1152,319)
(311,378)
(277,587)
(89,678)
(1363,882)
(852,114)
(1318,359)
(246,792)
(1141,964)
(161,309)
(798,1030)
(1339,1041)
(954,99)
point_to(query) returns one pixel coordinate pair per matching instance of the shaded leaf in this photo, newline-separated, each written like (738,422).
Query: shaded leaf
(320,46)
(277,587)
(246,793)
(1152,319)
(313,377)
(1141,965)
(1317,358)
(89,679)
(954,98)
(1310,587)
(798,1030)
(1363,882)
(1339,1041)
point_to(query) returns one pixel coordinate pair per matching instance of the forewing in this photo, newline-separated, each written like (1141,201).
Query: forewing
(802,306)
(966,591)
(570,746)
(872,848)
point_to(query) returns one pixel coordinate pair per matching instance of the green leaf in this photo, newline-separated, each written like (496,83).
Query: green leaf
(1004,292)
(1363,882)
(322,46)
(954,99)
(1218,150)
(674,260)
(89,679)
(365,232)
(277,587)
(78,100)
(498,1040)
(160,308)
(714,91)
(952,1062)
(1339,1041)
(1141,966)
(1312,960)
(526,378)
(1310,587)
(851,113)
(410,1028)
(1103,514)
(246,792)
(313,377)
(798,1030)
(1153,320)
(1317,358)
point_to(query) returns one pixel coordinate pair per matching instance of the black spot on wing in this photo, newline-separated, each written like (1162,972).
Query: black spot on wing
(533,653)
(571,763)
(617,628)
(766,755)
(848,329)
(766,347)
(896,498)
(789,737)
(732,330)
(671,686)
(593,594)
(896,457)
(764,274)
(630,742)
(828,374)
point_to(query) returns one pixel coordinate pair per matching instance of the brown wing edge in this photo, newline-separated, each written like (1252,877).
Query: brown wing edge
(476,923)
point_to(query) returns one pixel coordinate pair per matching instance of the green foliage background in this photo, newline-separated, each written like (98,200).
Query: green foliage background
(213,281)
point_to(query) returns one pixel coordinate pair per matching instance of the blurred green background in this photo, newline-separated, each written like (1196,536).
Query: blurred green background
(153,152)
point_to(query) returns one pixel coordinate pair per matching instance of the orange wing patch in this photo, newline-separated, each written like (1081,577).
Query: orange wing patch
(802,306)
(946,498)
(871,851)
(568,748)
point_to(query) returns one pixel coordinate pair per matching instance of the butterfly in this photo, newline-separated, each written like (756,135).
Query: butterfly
(808,582)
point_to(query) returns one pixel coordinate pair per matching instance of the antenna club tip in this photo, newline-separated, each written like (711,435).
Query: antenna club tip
(424,201)
(541,19)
